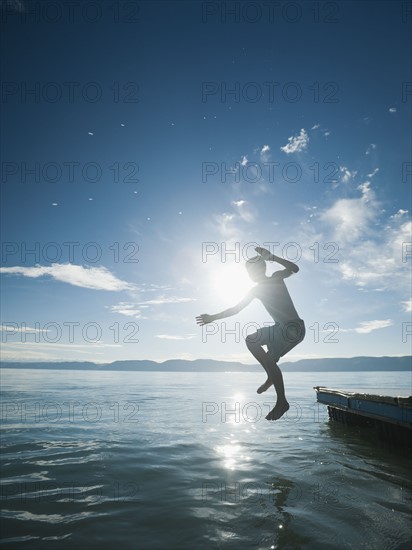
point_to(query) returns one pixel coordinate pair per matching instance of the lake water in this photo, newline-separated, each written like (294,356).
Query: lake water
(135,460)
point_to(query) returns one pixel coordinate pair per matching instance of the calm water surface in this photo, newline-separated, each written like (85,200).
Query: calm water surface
(187,460)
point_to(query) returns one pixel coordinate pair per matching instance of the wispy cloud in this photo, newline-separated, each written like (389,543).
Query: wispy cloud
(244,210)
(347,175)
(392,109)
(369,326)
(95,278)
(264,153)
(128,309)
(371,248)
(225,225)
(373,173)
(167,300)
(324,131)
(233,226)
(350,218)
(134,308)
(407,306)
(365,327)
(17,328)
(296,144)
(175,336)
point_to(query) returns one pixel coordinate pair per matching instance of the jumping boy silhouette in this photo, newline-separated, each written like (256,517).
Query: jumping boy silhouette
(285,334)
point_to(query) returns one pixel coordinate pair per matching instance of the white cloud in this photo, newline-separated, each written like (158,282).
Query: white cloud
(371,147)
(225,225)
(350,218)
(96,278)
(392,109)
(167,300)
(347,174)
(128,309)
(373,173)
(365,327)
(175,336)
(296,143)
(407,306)
(13,329)
(399,214)
(134,308)
(369,326)
(244,160)
(151,287)
(244,210)
(324,131)
(264,153)
(233,227)
(370,249)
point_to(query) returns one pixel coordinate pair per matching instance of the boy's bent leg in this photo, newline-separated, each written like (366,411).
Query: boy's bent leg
(293,333)
(277,377)
(274,377)
(270,359)
(282,405)
(259,353)
(265,386)
(281,340)
(254,343)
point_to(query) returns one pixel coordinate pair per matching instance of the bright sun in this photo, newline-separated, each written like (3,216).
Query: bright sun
(230,283)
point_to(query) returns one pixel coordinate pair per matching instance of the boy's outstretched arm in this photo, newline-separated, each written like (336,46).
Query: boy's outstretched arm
(266,255)
(204,319)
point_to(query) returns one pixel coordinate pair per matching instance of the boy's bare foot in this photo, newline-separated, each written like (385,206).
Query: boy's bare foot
(278,411)
(264,386)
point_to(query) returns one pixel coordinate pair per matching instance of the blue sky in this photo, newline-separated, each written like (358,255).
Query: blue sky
(159,138)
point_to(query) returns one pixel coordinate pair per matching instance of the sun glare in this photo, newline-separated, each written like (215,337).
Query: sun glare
(231,282)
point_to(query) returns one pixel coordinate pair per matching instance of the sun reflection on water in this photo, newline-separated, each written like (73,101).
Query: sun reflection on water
(232,454)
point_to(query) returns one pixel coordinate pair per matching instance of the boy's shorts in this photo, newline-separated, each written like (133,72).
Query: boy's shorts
(280,338)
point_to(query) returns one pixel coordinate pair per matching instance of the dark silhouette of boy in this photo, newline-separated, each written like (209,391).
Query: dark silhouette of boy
(287,332)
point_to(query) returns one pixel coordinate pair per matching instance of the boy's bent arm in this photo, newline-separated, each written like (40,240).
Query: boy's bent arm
(266,255)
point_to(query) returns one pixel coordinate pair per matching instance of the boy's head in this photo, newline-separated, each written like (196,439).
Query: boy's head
(256,268)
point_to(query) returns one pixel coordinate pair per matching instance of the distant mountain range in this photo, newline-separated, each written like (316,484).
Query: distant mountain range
(209,365)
